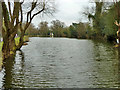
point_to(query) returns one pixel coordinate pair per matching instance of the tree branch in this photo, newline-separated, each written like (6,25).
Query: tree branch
(32,8)
(5,15)
(21,12)
(37,13)
(9,6)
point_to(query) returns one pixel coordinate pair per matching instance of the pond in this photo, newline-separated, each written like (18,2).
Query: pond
(63,63)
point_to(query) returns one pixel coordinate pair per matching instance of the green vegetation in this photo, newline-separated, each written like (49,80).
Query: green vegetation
(59,29)
(102,25)
(26,38)
(1,43)
(17,40)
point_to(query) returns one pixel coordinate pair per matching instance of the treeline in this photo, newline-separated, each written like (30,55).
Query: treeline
(100,26)
(59,29)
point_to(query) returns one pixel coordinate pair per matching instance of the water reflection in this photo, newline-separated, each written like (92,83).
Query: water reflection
(119,67)
(9,69)
(18,70)
(8,66)
(106,65)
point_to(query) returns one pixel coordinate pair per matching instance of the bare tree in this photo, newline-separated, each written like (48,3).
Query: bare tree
(15,18)
(36,8)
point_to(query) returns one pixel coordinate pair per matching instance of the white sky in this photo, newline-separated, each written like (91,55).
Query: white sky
(69,11)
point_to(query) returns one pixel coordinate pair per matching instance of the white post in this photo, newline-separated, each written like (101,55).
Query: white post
(118,41)
(1,39)
(16,36)
(52,35)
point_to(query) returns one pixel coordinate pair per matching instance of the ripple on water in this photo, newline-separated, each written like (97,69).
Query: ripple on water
(64,63)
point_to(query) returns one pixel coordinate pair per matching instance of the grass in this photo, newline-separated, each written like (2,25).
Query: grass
(17,40)
(26,38)
(1,44)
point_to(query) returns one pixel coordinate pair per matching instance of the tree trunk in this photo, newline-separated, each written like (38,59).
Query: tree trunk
(12,44)
(9,30)
(21,41)
(9,46)
(5,48)
(8,77)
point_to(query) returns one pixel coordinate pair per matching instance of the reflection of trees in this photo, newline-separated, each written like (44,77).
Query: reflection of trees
(8,66)
(119,67)
(9,70)
(106,66)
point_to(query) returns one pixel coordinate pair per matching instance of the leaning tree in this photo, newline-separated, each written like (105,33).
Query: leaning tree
(14,14)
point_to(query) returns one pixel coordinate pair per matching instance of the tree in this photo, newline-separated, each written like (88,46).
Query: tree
(78,30)
(9,28)
(95,14)
(103,20)
(81,30)
(72,30)
(43,28)
(97,17)
(66,32)
(37,8)
(31,30)
(57,28)
(13,19)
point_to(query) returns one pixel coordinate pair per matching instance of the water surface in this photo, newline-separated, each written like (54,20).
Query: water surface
(63,63)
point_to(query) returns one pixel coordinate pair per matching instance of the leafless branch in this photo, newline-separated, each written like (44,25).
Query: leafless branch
(9,6)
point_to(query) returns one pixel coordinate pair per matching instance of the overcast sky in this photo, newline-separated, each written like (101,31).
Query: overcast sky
(68,11)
